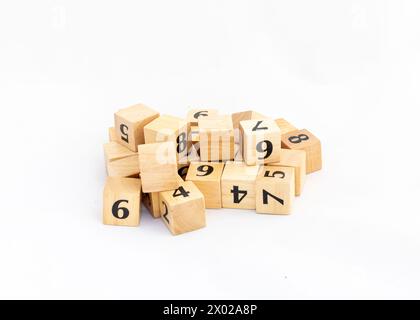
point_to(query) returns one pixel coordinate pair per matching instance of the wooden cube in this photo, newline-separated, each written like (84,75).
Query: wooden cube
(169,128)
(275,190)
(261,141)
(304,140)
(112,136)
(195,114)
(183,209)
(121,202)
(285,126)
(206,176)
(246,115)
(158,166)
(238,152)
(129,124)
(295,159)
(114,151)
(124,167)
(151,201)
(216,138)
(194,134)
(238,185)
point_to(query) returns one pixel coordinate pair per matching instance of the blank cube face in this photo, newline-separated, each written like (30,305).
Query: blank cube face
(194,134)
(275,190)
(216,138)
(183,209)
(124,167)
(114,151)
(261,141)
(304,140)
(158,166)
(129,124)
(169,128)
(295,159)
(122,198)
(195,114)
(206,176)
(112,136)
(238,185)
(285,126)
(152,203)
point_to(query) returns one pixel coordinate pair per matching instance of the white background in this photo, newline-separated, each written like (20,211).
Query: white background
(349,71)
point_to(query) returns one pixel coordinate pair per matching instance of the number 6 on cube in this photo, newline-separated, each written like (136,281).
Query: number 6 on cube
(261,141)
(122,198)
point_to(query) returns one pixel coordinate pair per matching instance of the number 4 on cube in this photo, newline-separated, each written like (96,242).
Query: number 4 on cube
(122,198)
(183,209)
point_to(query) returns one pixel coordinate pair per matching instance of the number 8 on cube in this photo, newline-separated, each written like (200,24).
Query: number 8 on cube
(275,190)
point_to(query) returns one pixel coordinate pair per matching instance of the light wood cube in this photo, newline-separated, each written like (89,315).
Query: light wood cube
(124,167)
(238,152)
(275,190)
(285,126)
(130,122)
(112,135)
(183,209)
(114,151)
(216,138)
(158,166)
(151,201)
(195,114)
(206,176)
(295,159)
(242,116)
(261,141)
(304,140)
(194,133)
(169,128)
(121,202)
(238,185)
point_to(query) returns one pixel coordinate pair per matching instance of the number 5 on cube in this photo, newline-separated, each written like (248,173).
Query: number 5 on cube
(261,141)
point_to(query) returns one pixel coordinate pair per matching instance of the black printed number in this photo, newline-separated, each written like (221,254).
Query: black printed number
(124,132)
(181,140)
(199,114)
(180,192)
(116,210)
(182,172)
(238,195)
(257,127)
(267,194)
(265,146)
(299,138)
(165,214)
(205,169)
(278,174)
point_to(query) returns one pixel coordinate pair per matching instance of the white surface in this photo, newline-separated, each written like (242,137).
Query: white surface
(349,71)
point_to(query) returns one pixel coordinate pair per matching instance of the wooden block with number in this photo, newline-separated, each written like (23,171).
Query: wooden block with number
(304,140)
(169,128)
(238,185)
(183,209)
(158,166)
(195,114)
(206,176)
(285,126)
(261,141)
(121,201)
(242,116)
(216,138)
(129,124)
(275,190)
(295,159)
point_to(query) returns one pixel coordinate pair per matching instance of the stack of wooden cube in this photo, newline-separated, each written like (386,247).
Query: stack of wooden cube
(179,167)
